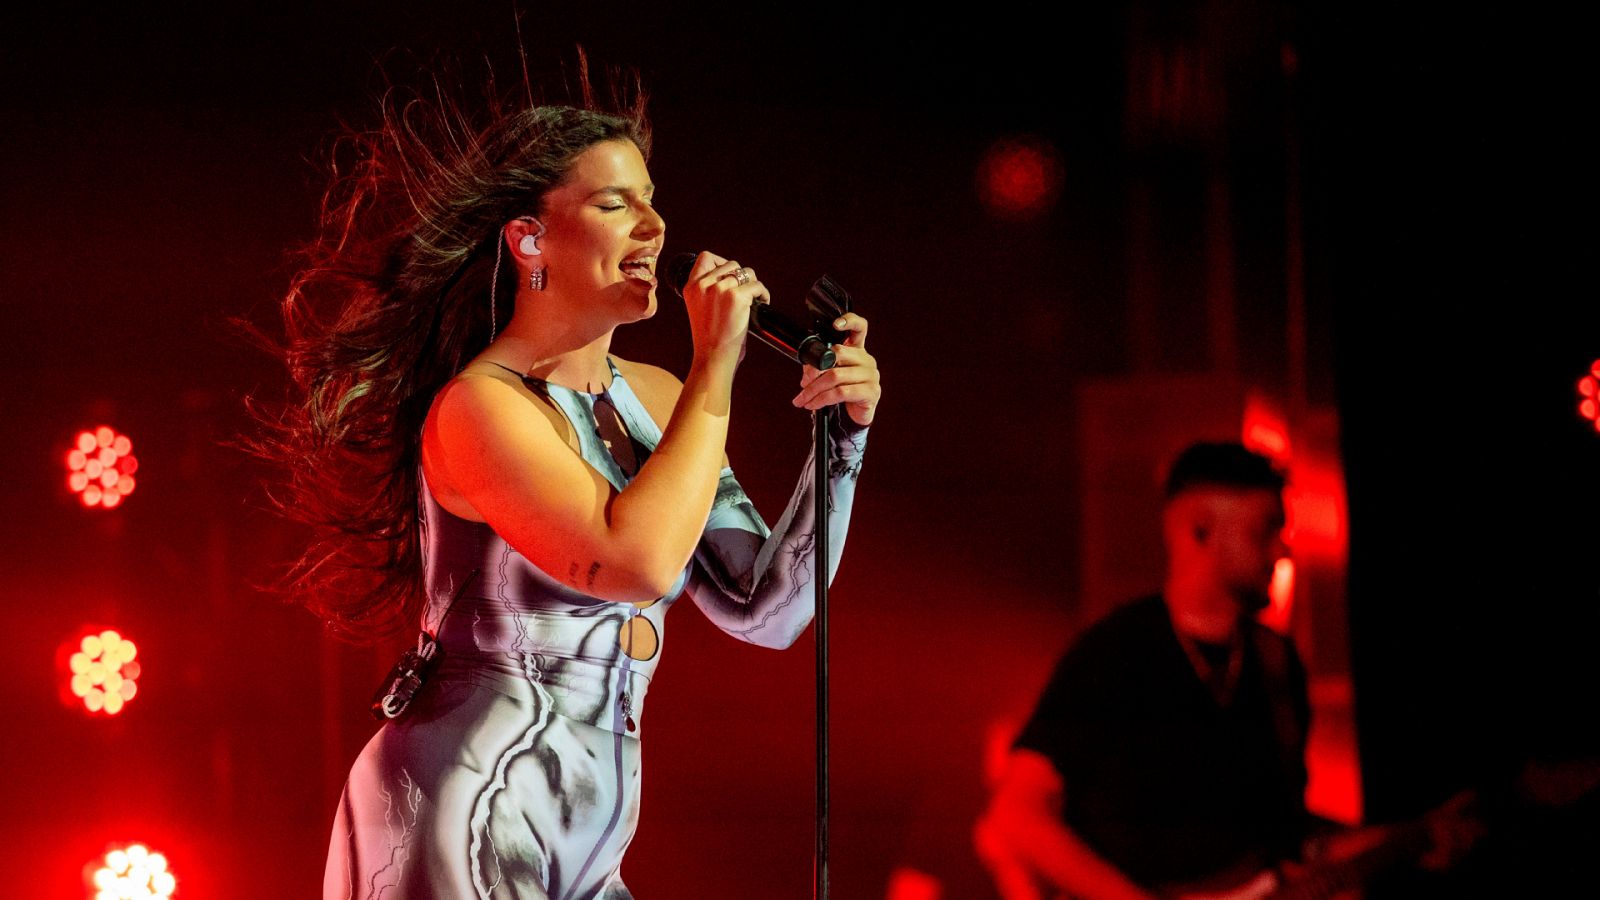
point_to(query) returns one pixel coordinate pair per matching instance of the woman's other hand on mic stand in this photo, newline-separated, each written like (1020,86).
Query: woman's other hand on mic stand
(853,381)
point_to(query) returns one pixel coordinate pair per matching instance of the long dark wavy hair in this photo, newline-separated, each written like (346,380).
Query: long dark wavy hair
(388,302)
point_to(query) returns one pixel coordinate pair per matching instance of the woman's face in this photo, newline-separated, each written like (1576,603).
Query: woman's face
(602,236)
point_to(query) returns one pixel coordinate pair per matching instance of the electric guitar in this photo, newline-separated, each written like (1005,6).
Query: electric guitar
(1368,854)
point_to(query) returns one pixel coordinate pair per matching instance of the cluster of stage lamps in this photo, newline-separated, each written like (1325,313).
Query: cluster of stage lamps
(100,467)
(1589,395)
(132,873)
(102,666)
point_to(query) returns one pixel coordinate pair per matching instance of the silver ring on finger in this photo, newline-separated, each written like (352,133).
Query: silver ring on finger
(741,275)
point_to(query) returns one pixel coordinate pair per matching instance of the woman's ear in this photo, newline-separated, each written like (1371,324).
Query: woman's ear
(523,234)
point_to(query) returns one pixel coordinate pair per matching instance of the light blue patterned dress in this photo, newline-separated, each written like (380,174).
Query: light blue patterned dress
(515,773)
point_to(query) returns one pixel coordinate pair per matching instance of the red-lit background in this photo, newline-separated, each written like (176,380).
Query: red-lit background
(1080,248)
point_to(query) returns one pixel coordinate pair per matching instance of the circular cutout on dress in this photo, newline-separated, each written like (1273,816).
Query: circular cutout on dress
(639,639)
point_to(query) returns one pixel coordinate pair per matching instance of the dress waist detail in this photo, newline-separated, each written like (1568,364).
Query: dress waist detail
(576,661)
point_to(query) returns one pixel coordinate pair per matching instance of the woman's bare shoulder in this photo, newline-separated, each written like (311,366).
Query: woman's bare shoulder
(476,396)
(481,408)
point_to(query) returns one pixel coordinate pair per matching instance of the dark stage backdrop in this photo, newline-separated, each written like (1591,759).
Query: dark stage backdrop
(160,161)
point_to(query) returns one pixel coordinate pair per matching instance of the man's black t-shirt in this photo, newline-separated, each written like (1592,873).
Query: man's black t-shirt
(1160,778)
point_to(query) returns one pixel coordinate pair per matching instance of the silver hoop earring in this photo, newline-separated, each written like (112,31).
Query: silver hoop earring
(529,246)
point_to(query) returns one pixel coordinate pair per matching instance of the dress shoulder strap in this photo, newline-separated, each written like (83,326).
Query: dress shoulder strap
(578,408)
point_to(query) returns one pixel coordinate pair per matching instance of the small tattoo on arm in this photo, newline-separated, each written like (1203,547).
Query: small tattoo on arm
(594,569)
(572,573)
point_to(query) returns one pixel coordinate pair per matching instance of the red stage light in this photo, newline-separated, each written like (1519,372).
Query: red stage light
(907,883)
(132,871)
(1020,177)
(104,673)
(100,467)
(1589,393)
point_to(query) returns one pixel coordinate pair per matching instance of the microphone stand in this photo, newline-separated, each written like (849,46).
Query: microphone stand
(819,548)
(826,301)
(810,349)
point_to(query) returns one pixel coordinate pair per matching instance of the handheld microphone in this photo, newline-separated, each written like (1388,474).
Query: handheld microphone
(799,343)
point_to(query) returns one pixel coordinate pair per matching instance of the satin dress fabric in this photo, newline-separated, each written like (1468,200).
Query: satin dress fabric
(515,773)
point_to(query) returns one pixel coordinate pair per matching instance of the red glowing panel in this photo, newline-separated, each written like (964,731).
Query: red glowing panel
(1316,510)
(100,467)
(1587,409)
(1334,787)
(1265,429)
(132,871)
(103,672)
(1019,178)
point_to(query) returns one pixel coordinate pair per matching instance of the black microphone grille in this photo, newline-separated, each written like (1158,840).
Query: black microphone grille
(679,265)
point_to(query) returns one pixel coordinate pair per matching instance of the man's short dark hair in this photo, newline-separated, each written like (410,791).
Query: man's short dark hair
(1222,464)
